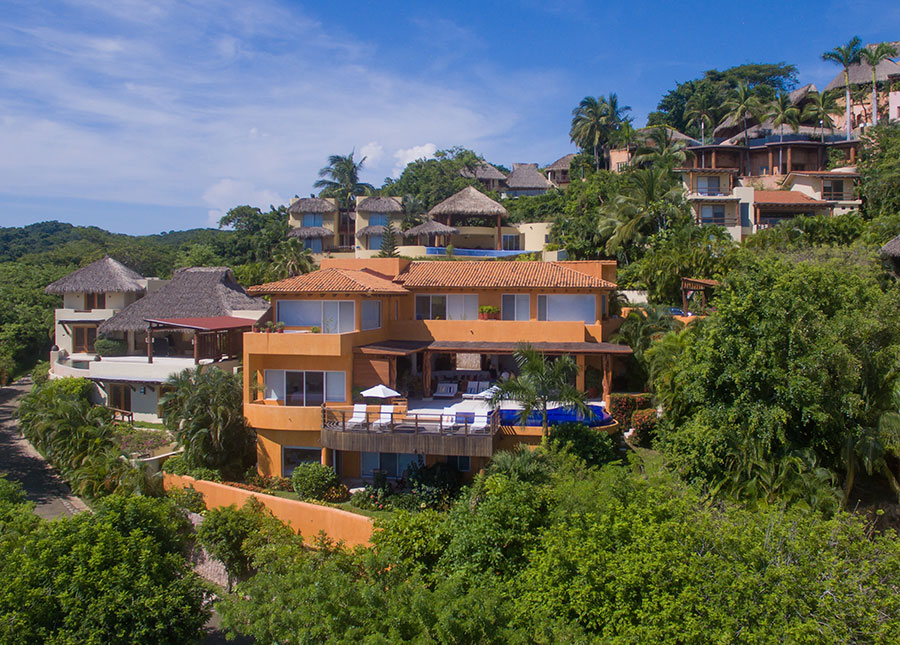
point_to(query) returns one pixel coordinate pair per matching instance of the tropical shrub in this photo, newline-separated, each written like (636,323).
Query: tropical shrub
(433,486)
(644,423)
(178,465)
(203,409)
(40,374)
(594,446)
(114,576)
(132,440)
(110,347)
(187,499)
(313,480)
(622,406)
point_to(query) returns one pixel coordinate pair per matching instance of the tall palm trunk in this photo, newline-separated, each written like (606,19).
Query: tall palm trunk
(596,158)
(847,101)
(874,98)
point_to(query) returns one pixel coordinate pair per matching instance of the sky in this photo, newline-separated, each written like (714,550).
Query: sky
(142,117)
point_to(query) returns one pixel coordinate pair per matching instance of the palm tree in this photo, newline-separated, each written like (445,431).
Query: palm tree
(650,198)
(292,258)
(846,56)
(873,56)
(782,111)
(818,110)
(702,113)
(538,382)
(589,121)
(642,327)
(661,149)
(742,104)
(340,179)
(625,137)
(414,207)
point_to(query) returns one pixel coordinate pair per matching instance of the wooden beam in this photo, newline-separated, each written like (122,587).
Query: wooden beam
(607,378)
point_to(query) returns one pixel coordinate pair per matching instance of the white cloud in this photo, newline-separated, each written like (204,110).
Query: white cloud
(405,156)
(227,193)
(373,152)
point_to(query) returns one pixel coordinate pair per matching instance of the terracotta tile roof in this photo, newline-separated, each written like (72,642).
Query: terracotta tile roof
(498,275)
(330,281)
(785,197)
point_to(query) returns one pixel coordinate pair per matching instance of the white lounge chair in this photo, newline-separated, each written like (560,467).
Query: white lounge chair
(479,423)
(386,417)
(448,419)
(446,391)
(359,416)
(473,388)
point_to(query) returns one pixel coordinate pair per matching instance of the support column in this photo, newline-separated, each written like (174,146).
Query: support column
(713,158)
(852,155)
(327,457)
(149,344)
(499,233)
(426,374)
(579,378)
(196,348)
(771,161)
(790,165)
(607,378)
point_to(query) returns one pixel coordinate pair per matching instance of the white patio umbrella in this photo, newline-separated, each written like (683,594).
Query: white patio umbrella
(380,392)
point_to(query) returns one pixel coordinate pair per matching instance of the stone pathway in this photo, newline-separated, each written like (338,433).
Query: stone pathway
(21,462)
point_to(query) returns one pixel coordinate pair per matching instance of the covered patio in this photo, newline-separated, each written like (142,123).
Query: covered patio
(216,338)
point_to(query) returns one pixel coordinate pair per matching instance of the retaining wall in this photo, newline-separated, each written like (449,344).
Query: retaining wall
(306,519)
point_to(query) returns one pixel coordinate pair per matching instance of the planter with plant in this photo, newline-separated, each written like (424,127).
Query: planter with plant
(270,327)
(279,327)
(315,330)
(487,312)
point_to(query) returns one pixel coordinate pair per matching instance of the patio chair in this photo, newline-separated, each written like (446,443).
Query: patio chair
(386,418)
(446,391)
(474,387)
(479,423)
(448,419)
(359,416)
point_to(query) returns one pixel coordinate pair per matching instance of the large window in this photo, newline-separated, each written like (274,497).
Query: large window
(312,219)
(712,214)
(516,306)
(511,243)
(375,242)
(833,189)
(393,464)
(568,308)
(293,456)
(378,219)
(708,185)
(120,396)
(307,388)
(451,307)
(94,301)
(83,339)
(331,316)
(371,314)
(314,244)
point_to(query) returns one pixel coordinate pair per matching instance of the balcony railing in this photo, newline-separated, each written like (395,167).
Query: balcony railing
(401,432)
(709,192)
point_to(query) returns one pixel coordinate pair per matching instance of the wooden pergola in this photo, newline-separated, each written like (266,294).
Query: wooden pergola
(217,338)
(695,284)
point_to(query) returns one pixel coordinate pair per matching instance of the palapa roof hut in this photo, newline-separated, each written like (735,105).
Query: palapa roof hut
(311,205)
(526,176)
(483,172)
(891,251)
(103,276)
(379,205)
(430,230)
(196,292)
(861,74)
(469,203)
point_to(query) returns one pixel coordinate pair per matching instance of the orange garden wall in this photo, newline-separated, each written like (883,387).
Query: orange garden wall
(306,519)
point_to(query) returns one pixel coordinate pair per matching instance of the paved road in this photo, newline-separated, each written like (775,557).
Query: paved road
(21,462)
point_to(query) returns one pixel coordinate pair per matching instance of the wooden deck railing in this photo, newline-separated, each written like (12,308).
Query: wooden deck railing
(410,423)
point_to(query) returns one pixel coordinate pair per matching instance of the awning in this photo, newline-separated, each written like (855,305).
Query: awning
(216,323)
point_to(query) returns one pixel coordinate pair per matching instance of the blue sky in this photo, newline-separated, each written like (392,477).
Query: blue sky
(142,117)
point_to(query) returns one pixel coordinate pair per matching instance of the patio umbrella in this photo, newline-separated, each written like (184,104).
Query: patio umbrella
(380,392)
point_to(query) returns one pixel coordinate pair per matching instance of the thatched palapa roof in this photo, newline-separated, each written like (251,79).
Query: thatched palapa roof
(527,176)
(483,172)
(308,232)
(370,230)
(430,228)
(197,292)
(892,248)
(379,205)
(861,74)
(468,201)
(103,276)
(563,163)
(312,205)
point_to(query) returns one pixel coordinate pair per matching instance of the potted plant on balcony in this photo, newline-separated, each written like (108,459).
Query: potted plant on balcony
(314,330)
(270,327)
(256,328)
(487,312)
(279,327)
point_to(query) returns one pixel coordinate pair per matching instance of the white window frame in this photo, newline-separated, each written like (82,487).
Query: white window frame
(325,392)
(322,303)
(518,298)
(543,302)
(472,305)
(362,314)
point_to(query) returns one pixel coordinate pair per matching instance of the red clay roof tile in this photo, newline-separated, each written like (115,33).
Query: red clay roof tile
(330,280)
(498,275)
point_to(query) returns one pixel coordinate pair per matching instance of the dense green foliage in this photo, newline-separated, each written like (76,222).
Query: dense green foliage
(431,181)
(593,445)
(312,480)
(879,168)
(115,576)
(80,439)
(204,410)
(568,553)
(801,354)
(709,93)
